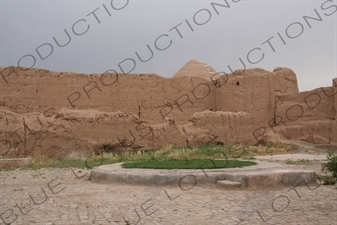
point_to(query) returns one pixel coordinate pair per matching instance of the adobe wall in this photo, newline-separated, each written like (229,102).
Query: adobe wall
(253,91)
(309,116)
(91,130)
(250,92)
(149,96)
(221,127)
(41,110)
(298,108)
(69,130)
(284,80)
(315,132)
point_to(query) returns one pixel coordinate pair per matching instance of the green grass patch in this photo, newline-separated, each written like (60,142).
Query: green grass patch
(188,164)
(210,151)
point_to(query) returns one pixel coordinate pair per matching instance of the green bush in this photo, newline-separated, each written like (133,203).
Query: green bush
(332,163)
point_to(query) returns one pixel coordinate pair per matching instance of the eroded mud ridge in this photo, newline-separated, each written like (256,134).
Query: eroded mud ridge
(42,110)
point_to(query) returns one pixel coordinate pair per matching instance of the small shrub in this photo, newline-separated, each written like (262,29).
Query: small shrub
(331,166)
(327,180)
(332,163)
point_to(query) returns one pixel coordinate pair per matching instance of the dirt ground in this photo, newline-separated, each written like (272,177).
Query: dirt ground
(68,196)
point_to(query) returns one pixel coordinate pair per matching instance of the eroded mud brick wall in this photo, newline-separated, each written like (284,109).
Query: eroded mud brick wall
(250,92)
(45,110)
(298,108)
(22,134)
(181,98)
(253,91)
(149,96)
(284,80)
(221,127)
(308,115)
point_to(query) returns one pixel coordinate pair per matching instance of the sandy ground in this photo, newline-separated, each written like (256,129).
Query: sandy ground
(67,196)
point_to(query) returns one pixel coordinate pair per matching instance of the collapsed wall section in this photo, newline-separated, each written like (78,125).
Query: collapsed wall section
(309,116)
(298,108)
(91,131)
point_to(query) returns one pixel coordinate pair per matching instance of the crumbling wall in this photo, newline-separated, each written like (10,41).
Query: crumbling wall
(221,127)
(284,80)
(150,97)
(298,108)
(91,130)
(252,91)
(309,116)
(315,132)
(204,128)
(182,97)
(66,131)
(60,112)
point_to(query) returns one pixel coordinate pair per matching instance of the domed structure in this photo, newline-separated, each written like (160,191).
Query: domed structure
(194,68)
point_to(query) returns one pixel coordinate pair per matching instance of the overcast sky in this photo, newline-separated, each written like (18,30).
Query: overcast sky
(274,33)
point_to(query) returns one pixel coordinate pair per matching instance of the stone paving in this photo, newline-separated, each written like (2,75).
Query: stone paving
(66,196)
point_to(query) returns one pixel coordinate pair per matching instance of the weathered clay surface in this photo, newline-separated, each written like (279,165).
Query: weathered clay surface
(42,110)
(221,127)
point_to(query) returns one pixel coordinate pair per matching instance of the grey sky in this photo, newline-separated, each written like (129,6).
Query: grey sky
(243,26)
